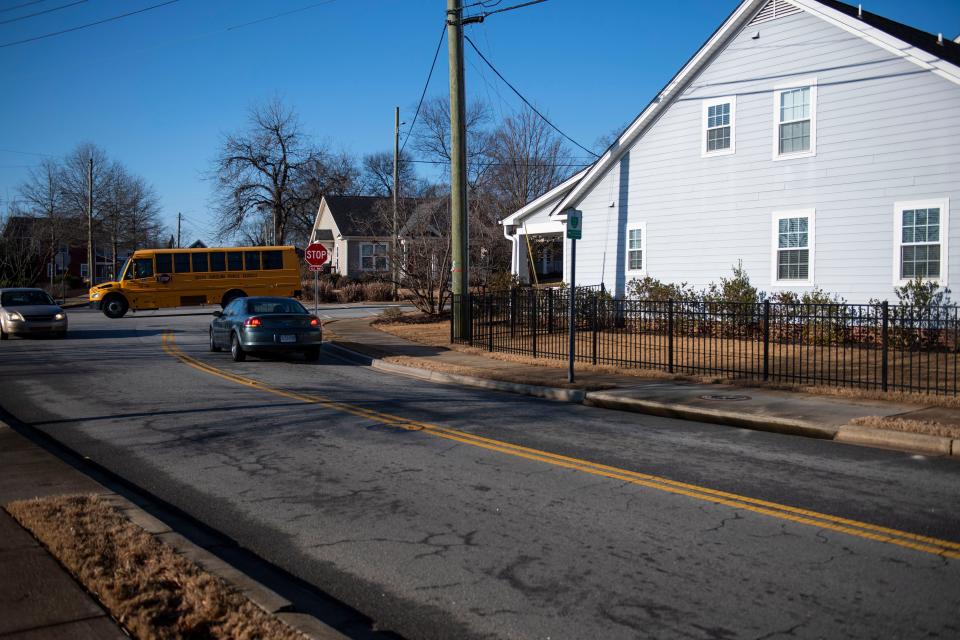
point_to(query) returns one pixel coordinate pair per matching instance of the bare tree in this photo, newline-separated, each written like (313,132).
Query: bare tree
(377,177)
(261,168)
(42,193)
(431,137)
(20,264)
(327,173)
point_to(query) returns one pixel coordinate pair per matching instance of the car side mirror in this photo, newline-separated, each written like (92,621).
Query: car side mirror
(217,314)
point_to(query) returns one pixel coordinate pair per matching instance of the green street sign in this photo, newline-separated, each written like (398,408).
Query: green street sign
(574,224)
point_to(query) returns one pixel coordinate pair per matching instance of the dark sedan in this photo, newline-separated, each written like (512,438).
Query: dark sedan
(265,325)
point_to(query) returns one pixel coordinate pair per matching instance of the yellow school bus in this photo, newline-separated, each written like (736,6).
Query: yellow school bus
(158,278)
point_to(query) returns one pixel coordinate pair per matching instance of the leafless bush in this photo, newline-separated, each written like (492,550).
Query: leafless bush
(377,291)
(350,293)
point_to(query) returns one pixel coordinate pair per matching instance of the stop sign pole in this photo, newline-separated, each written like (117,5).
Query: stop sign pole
(316,255)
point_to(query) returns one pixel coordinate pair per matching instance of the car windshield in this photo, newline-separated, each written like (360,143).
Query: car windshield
(24,298)
(275,305)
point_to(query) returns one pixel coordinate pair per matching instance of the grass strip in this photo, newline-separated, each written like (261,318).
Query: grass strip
(150,589)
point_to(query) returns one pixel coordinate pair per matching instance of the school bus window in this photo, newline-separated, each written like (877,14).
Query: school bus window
(272,259)
(251,260)
(199,262)
(164,263)
(235,261)
(143,268)
(218,261)
(181,263)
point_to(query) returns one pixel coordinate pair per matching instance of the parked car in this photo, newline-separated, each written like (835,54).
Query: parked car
(30,312)
(261,324)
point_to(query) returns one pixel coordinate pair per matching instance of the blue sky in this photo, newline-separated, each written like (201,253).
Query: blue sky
(157,90)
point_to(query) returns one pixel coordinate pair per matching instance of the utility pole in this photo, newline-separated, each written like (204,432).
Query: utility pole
(459,230)
(396,196)
(179,216)
(90,256)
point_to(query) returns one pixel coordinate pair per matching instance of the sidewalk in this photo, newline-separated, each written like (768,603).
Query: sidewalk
(38,598)
(753,408)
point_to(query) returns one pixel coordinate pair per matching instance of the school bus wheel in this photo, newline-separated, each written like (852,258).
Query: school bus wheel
(115,305)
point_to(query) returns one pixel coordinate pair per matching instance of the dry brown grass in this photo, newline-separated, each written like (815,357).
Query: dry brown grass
(926,427)
(149,588)
(438,334)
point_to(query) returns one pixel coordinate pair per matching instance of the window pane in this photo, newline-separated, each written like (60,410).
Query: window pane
(920,260)
(793,233)
(143,267)
(795,104)
(200,262)
(793,264)
(164,263)
(366,250)
(181,263)
(273,260)
(795,137)
(251,260)
(218,261)
(718,138)
(636,259)
(235,261)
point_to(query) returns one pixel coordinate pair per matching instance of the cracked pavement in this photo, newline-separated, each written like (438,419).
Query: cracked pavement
(435,539)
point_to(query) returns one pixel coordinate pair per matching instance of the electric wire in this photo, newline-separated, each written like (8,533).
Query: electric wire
(487,14)
(25,4)
(426,85)
(89,24)
(40,13)
(280,15)
(525,101)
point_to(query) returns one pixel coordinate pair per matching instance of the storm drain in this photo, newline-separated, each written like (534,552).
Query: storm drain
(724,396)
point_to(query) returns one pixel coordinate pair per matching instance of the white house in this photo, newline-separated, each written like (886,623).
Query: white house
(817,143)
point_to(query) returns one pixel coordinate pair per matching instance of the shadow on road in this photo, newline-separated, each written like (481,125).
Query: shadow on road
(106,334)
(153,414)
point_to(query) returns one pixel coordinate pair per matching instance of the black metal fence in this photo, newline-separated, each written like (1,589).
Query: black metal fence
(880,346)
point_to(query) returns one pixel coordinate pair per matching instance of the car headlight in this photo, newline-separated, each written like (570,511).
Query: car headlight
(60,316)
(16,317)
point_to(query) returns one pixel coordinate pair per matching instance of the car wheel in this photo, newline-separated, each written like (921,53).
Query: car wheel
(213,343)
(312,354)
(115,306)
(3,334)
(239,355)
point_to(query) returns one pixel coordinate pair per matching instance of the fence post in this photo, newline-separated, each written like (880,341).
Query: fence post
(468,297)
(886,344)
(596,304)
(550,311)
(533,321)
(489,301)
(766,340)
(670,336)
(513,313)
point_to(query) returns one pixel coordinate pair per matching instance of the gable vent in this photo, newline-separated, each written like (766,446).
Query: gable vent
(773,10)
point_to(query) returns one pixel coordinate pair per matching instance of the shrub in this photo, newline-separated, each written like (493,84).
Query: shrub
(922,294)
(735,289)
(503,281)
(650,288)
(378,291)
(350,293)
(814,296)
(391,314)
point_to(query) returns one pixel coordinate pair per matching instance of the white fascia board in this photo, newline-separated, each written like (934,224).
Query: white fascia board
(731,27)
(535,205)
(554,226)
(881,39)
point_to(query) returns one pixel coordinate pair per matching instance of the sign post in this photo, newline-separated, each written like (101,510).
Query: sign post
(316,255)
(574,233)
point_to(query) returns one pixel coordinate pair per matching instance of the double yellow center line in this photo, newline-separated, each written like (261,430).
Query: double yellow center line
(926,544)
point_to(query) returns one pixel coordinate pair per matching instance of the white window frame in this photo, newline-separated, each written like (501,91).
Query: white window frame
(778,90)
(644,257)
(898,207)
(83,270)
(732,100)
(810,215)
(374,255)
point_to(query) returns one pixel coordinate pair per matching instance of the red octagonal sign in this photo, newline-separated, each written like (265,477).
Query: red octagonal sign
(316,254)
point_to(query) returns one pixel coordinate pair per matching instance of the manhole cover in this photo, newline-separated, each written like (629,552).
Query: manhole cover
(724,396)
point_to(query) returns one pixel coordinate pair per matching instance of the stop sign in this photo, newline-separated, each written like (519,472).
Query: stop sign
(316,254)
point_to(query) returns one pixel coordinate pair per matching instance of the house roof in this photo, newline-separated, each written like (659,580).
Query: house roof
(938,55)
(363,215)
(517,216)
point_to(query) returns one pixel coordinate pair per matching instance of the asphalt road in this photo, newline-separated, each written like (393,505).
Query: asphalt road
(431,520)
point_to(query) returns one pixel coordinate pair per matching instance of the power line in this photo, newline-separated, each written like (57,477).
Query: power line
(40,13)
(279,15)
(514,162)
(436,54)
(525,101)
(480,16)
(26,153)
(20,6)
(89,24)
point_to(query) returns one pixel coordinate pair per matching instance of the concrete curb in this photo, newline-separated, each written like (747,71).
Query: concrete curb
(537,391)
(609,400)
(900,440)
(849,434)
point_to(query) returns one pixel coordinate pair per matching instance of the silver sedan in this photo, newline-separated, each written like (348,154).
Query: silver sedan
(26,311)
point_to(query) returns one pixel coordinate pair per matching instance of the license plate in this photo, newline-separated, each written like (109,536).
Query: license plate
(288,338)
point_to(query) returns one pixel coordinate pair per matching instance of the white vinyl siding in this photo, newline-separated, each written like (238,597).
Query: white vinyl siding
(636,249)
(793,248)
(920,243)
(373,256)
(795,125)
(719,122)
